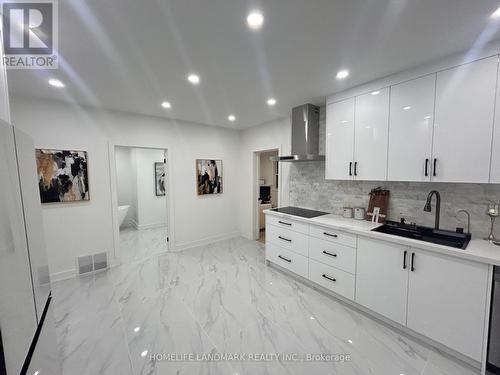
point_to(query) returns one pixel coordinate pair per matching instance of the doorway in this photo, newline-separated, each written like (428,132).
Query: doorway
(267,184)
(142,204)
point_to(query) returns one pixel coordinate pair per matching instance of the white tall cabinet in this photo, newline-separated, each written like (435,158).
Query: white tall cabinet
(371,124)
(410,130)
(340,140)
(465,105)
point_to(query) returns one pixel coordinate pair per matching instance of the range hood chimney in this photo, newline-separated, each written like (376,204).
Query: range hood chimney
(305,135)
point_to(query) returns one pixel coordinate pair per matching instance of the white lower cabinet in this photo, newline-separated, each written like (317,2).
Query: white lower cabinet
(332,278)
(288,239)
(382,278)
(333,254)
(447,301)
(287,259)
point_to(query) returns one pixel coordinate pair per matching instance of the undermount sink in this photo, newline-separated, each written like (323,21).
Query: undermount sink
(426,234)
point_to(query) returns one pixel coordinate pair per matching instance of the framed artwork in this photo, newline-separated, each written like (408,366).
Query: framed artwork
(209,176)
(62,175)
(160,184)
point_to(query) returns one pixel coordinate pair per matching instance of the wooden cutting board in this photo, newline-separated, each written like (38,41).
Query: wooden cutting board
(379,197)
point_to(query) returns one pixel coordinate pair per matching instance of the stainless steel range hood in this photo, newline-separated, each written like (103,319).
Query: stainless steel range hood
(305,135)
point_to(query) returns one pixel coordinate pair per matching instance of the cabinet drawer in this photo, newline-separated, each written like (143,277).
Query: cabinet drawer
(333,254)
(288,239)
(287,259)
(287,223)
(336,280)
(333,235)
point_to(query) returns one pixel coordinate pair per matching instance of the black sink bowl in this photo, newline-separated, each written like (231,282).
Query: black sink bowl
(426,234)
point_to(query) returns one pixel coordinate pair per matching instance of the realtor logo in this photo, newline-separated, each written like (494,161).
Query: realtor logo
(30,34)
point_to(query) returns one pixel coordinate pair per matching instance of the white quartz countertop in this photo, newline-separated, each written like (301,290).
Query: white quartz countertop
(478,249)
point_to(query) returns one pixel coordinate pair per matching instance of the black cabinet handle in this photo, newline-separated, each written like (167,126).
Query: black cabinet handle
(284,223)
(412,262)
(350,168)
(285,239)
(404,259)
(434,173)
(355,168)
(426,167)
(330,254)
(285,259)
(329,278)
(330,235)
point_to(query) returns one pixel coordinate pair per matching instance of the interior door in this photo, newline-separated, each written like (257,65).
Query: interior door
(371,135)
(340,140)
(17,310)
(447,301)
(25,151)
(410,130)
(465,102)
(382,278)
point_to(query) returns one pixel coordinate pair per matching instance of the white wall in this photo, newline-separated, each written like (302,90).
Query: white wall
(126,183)
(81,228)
(151,210)
(269,136)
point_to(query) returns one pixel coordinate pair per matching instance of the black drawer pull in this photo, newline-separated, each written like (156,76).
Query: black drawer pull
(412,262)
(350,168)
(285,259)
(285,239)
(284,223)
(330,235)
(434,172)
(404,259)
(329,278)
(330,254)
(426,167)
(355,168)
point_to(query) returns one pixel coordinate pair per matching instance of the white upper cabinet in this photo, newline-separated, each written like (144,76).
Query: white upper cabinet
(370,136)
(410,130)
(465,101)
(340,140)
(495,158)
(447,301)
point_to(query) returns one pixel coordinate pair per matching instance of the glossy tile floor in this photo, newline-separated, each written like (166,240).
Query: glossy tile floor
(221,298)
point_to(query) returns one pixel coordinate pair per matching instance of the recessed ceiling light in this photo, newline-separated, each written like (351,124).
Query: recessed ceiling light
(137,329)
(407,107)
(144,353)
(344,122)
(375,92)
(311,317)
(271,102)
(427,117)
(341,74)
(231,118)
(349,341)
(194,79)
(255,19)
(496,13)
(56,83)
(166,105)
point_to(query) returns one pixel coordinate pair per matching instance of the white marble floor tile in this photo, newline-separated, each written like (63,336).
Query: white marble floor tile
(221,298)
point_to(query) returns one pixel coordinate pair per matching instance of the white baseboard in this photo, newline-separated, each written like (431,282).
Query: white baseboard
(207,240)
(138,226)
(63,275)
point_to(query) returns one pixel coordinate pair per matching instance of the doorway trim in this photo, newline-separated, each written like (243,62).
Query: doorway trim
(255,186)
(114,192)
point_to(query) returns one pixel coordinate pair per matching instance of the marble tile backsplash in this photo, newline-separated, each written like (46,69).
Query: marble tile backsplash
(309,189)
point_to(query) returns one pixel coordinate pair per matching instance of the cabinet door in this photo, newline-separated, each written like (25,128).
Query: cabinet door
(495,158)
(340,140)
(465,102)
(370,136)
(410,129)
(382,278)
(447,301)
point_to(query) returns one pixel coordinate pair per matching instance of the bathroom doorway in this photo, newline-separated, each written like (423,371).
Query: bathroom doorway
(142,202)
(267,186)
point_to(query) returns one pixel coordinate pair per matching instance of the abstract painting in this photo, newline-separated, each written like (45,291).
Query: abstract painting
(209,176)
(160,185)
(62,175)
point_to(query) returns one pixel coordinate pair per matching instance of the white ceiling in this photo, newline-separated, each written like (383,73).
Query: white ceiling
(131,55)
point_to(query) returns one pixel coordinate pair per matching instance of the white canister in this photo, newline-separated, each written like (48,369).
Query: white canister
(359,213)
(347,212)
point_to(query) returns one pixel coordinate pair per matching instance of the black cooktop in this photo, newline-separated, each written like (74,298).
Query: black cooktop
(302,212)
